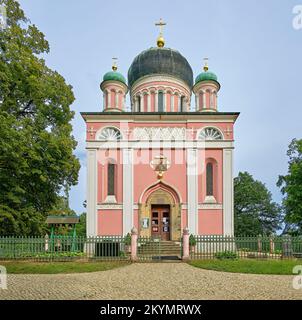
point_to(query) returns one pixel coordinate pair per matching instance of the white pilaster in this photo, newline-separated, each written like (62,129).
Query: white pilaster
(123,102)
(116,99)
(211,100)
(136,104)
(192,190)
(164,101)
(109,99)
(172,102)
(197,101)
(228,192)
(156,101)
(127,190)
(142,103)
(91,218)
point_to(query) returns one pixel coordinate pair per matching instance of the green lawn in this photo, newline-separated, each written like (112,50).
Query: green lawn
(249,266)
(59,267)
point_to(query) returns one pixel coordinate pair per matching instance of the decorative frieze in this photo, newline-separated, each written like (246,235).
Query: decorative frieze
(159,133)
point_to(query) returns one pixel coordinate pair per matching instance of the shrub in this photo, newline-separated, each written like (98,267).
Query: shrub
(127,239)
(226,255)
(192,240)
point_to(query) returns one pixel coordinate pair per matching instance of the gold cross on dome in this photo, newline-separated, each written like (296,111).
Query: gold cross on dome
(160,24)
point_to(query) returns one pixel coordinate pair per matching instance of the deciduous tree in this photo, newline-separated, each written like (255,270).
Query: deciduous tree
(255,212)
(36,142)
(291,187)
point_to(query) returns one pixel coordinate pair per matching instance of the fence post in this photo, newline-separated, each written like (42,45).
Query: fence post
(134,244)
(287,249)
(259,243)
(185,245)
(46,242)
(272,244)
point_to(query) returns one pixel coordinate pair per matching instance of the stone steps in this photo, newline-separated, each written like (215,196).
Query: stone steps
(164,248)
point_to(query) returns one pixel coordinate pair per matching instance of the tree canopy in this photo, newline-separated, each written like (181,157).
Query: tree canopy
(36,142)
(255,212)
(291,187)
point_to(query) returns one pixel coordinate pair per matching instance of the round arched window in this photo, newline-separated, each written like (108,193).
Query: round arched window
(210,134)
(111,134)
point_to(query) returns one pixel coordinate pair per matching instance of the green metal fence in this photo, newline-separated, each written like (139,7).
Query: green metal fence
(149,249)
(69,248)
(260,247)
(64,248)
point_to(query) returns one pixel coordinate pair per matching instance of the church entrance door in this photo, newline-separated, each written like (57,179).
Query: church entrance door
(160,222)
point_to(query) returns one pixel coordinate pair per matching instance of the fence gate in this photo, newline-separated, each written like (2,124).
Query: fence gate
(157,250)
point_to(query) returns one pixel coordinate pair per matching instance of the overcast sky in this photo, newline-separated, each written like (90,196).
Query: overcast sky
(253,48)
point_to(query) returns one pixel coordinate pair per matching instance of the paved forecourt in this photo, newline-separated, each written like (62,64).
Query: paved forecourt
(151,281)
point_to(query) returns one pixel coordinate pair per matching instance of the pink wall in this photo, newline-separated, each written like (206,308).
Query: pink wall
(168,102)
(207,100)
(144,175)
(145,97)
(152,102)
(175,103)
(110,222)
(104,157)
(121,102)
(200,97)
(135,219)
(112,104)
(214,156)
(210,222)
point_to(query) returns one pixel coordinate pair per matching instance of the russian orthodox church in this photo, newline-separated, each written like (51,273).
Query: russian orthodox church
(166,164)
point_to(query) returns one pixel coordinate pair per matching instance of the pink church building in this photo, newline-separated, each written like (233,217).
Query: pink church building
(165,164)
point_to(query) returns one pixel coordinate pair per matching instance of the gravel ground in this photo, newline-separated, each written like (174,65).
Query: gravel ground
(151,281)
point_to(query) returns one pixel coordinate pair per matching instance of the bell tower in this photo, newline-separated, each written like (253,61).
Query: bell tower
(205,89)
(114,89)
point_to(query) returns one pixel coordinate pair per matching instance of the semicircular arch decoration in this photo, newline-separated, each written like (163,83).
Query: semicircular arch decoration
(110,134)
(210,133)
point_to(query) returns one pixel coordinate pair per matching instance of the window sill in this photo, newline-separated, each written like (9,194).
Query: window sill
(110,199)
(210,200)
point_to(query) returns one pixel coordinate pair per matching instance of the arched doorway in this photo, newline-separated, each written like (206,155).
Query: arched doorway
(161,221)
(160,213)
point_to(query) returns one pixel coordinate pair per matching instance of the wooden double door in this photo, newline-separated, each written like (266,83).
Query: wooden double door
(160,222)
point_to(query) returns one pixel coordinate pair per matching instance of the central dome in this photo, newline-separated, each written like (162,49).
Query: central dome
(160,61)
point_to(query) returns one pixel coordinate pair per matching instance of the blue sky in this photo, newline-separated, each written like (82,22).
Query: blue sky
(252,46)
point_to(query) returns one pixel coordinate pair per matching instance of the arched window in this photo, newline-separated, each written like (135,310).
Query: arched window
(160,101)
(110,133)
(111,179)
(210,134)
(139,104)
(210,180)
(182,104)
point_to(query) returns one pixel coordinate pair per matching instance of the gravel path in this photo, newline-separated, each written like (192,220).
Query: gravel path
(151,281)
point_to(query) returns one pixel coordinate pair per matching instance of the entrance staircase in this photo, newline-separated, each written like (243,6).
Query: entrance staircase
(163,250)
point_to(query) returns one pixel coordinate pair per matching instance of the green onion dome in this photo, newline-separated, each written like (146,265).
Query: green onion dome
(206,76)
(114,76)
